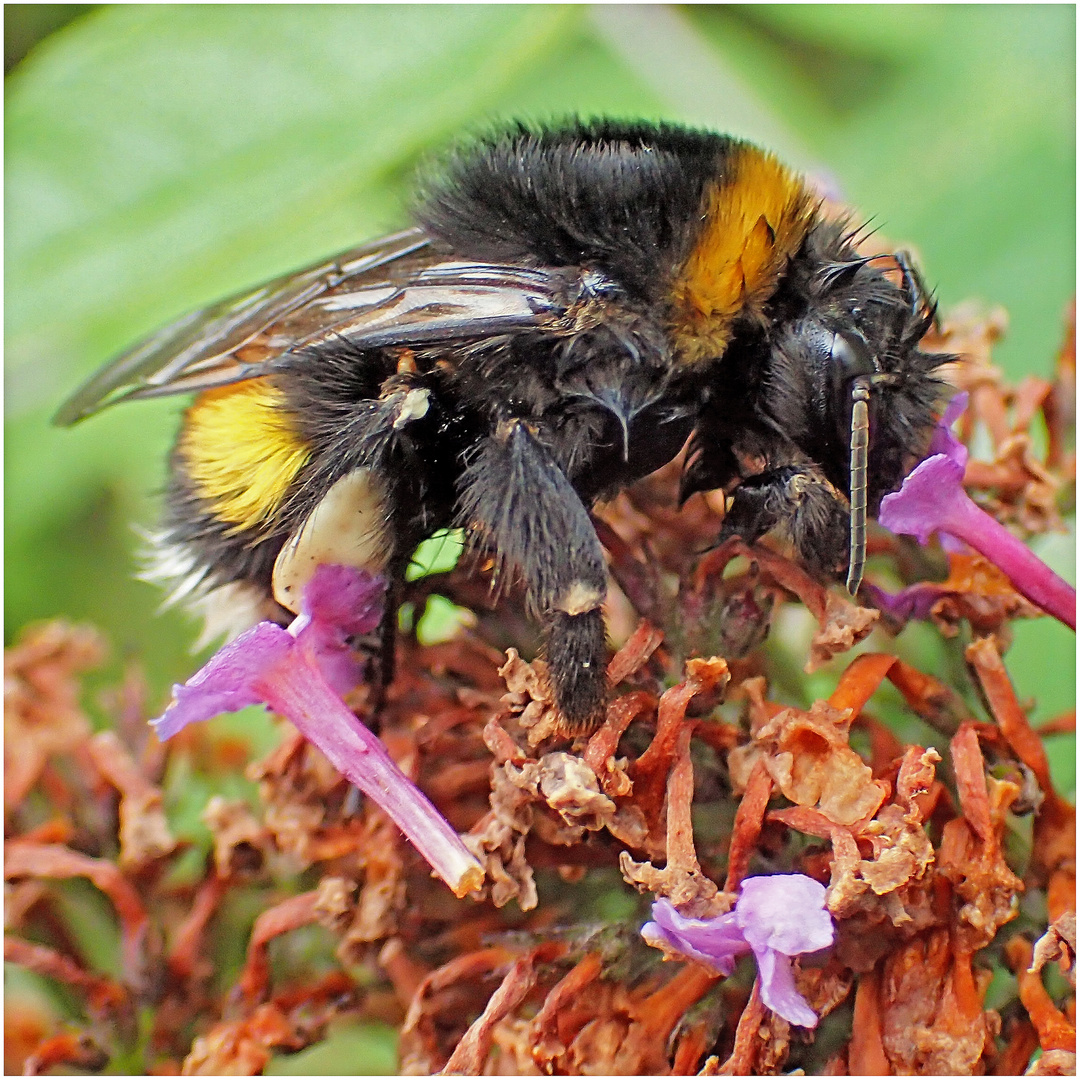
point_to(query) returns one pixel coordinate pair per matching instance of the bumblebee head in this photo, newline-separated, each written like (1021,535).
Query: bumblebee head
(847,380)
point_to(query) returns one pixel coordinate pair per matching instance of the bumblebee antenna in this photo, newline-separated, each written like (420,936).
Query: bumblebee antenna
(860,442)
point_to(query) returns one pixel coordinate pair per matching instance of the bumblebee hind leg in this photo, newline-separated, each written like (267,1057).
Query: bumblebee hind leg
(374,491)
(518,502)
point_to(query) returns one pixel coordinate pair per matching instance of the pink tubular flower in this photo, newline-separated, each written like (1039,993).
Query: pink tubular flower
(775,917)
(300,673)
(932,499)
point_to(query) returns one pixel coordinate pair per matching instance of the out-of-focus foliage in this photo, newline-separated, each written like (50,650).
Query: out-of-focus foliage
(27,24)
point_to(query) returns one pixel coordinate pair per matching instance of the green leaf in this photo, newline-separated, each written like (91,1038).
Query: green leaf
(287,123)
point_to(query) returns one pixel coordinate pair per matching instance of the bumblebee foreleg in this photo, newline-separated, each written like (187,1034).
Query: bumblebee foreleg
(517,501)
(798,499)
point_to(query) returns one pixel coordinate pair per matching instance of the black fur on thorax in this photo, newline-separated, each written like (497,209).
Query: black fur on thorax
(626,198)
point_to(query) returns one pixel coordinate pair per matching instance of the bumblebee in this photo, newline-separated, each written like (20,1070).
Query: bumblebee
(573,306)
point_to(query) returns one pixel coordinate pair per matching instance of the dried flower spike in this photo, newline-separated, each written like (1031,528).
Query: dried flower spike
(300,673)
(776,917)
(932,499)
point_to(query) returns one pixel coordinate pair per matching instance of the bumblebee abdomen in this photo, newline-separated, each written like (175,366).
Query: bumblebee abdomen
(252,505)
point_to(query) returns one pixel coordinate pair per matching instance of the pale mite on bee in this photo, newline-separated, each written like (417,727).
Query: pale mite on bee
(573,305)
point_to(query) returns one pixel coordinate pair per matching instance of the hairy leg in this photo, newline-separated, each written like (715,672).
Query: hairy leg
(809,510)
(517,502)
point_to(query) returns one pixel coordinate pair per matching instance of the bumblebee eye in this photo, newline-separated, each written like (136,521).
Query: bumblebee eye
(852,355)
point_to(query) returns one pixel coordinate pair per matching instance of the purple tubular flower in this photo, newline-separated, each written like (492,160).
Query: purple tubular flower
(932,499)
(300,673)
(775,917)
(914,602)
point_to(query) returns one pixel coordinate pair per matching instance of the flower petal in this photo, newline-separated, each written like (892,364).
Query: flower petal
(928,492)
(656,936)
(785,912)
(716,942)
(338,603)
(299,691)
(345,598)
(778,989)
(914,602)
(922,504)
(300,673)
(944,441)
(933,499)
(227,681)
(777,917)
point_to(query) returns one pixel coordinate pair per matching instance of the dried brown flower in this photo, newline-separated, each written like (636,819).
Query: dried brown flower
(713,767)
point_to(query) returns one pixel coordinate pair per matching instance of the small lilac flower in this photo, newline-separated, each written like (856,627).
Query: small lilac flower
(300,673)
(933,499)
(776,917)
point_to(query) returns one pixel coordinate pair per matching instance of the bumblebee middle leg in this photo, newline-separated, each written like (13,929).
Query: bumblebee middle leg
(518,502)
(381,481)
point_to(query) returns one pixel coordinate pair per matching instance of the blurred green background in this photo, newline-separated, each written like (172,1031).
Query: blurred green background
(159,157)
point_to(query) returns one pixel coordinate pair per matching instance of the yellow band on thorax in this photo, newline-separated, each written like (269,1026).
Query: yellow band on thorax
(757,217)
(241,451)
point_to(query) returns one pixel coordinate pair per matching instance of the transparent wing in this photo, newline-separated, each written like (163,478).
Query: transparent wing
(393,291)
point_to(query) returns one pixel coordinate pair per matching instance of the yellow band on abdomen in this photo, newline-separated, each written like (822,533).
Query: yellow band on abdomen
(241,451)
